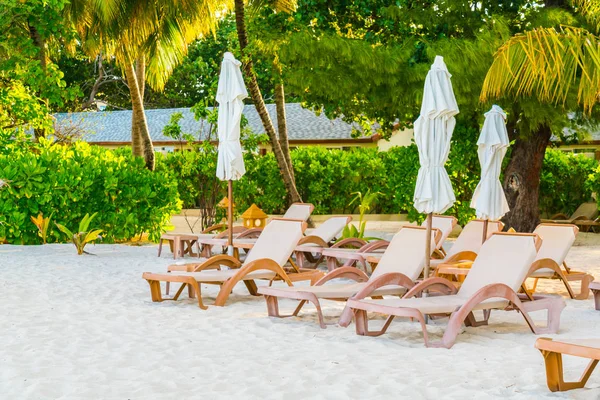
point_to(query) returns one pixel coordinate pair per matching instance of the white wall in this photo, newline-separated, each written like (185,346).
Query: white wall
(399,138)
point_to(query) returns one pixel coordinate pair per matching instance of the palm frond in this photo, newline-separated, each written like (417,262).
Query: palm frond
(549,64)
(590,9)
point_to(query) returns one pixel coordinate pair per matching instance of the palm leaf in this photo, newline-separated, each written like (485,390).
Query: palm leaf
(549,64)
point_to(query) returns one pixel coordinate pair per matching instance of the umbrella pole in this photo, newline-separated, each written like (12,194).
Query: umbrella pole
(230,217)
(428,246)
(485,230)
(427,253)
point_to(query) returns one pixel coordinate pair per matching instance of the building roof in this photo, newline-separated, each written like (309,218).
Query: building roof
(114,127)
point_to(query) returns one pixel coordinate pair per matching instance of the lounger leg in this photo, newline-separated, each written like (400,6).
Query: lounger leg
(472,321)
(584,292)
(272,306)
(554,373)
(597,299)
(252,289)
(155,291)
(362,324)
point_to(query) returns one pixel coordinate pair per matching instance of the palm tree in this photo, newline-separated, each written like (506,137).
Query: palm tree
(279,145)
(148,38)
(555,65)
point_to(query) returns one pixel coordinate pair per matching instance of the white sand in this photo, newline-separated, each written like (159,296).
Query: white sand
(83,327)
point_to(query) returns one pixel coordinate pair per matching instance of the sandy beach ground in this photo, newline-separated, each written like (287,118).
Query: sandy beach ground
(83,327)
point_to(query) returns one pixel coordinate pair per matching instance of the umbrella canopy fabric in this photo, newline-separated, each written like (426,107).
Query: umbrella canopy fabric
(231,93)
(433,132)
(489,200)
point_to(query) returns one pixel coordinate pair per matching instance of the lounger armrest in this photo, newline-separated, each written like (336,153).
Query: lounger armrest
(375,245)
(354,243)
(216,227)
(435,284)
(311,239)
(265,264)
(465,255)
(252,233)
(344,272)
(545,263)
(391,278)
(216,262)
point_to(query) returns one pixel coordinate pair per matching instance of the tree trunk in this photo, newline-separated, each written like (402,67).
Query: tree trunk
(138,120)
(42,56)
(282,123)
(137,142)
(259,103)
(522,180)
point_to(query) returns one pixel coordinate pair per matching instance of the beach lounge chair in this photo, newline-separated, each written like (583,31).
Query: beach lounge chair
(445,223)
(550,261)
(299,211)
(497,274)
(595,286)
(335,257)
(465,249)
(402,263)
(266,261)
(585,217)
(469,241)
(310,248)
(553,350)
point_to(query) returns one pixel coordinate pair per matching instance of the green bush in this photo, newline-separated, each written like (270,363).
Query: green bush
(564,182)
(71,181)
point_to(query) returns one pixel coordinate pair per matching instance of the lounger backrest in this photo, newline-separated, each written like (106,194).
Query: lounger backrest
(299,211)
(503,258)
(405,253)
(445,224)
(587,210)
(329,229)
(277,241)
(557,241)
(470,238)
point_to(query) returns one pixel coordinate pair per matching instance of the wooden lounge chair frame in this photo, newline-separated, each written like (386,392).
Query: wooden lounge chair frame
(463,314)
(553,352)
(363,255)
(585,217)
(226,287)
(347,272)
(567,275)
(216,262)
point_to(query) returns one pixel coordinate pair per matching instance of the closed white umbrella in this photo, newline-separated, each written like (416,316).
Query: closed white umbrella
(433,132)
(489,200)
(231,93)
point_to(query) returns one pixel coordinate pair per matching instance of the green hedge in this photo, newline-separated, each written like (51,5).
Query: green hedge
(327,178)
(70,181)
(564,182)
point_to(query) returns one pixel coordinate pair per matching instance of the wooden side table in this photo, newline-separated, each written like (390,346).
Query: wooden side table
(180,244)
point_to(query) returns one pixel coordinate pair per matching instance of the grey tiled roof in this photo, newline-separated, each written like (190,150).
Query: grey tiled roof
(115,126)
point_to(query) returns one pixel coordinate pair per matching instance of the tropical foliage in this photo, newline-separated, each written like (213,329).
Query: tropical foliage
(70,181)
(83,235)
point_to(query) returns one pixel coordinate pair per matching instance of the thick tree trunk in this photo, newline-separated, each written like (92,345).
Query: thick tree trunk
(259,103)
(139,123)
(137,142)
(282,125)
(522,180)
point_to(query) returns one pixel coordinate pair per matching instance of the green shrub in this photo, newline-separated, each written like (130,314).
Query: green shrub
(70,181)
(563,182)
